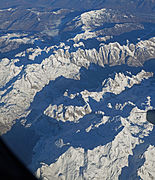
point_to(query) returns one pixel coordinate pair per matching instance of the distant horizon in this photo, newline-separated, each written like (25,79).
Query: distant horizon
(145,6)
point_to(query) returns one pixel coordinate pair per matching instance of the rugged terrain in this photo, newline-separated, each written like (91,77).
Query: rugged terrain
(74,89)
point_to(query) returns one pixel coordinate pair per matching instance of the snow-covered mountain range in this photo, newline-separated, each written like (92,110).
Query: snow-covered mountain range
(73,95)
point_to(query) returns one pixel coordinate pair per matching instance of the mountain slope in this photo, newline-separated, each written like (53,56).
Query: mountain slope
(73,95)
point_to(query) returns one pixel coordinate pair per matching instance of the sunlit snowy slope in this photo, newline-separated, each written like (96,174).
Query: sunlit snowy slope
(74,108)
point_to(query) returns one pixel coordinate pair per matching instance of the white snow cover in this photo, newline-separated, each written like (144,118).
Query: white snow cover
(18,37)
(85,106)
(29,79)
(117,158)
(147,170)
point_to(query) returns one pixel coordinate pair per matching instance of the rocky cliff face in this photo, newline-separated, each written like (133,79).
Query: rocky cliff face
(22,78)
